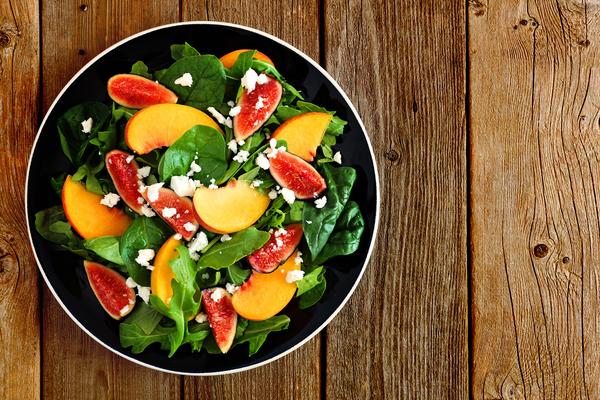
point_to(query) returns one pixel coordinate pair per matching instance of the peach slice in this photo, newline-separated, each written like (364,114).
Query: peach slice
(110,289)
(304,133)
(264,295)
(162,275)
(230,208)
(124,174)
(161,125)
(87,216)
(221,316)
(230,58)
(135,91)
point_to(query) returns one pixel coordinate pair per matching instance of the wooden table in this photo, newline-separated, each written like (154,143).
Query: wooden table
(485,121)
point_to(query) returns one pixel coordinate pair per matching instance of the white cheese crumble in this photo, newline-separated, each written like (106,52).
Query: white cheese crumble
(249,80)
(256,183)
(231,288)
(168,212)
(279,243)
(216,295)
(129,159)
(201,318)
(144,256)
(235,111)
(86,126)
(233,146)
(188,226)
(260,103)
(143,172)
(183,186)
(298,259)
(130,283)
(219,117)
(231,103)
(124,310)
(147,211)
(225,238)
(288,195)
(144,293)
(177,236)
(273,150)
(110,200)
(308,222)
(140,200)
(337,157)
(280,232)
(199,243)
(185,80)
(293,276)
(212,184)
(262,79)
(263,161)
(194,168)
(320,203)
(153,190)
(242,156)
(272,194)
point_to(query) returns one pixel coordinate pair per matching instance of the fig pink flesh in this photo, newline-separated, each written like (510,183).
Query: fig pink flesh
(294,173)
(124,176)
(250,118)
(221,316)
(184,211)
(271,255)
(135,91)
(110,289)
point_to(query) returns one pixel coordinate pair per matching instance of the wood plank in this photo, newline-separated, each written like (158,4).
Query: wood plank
(535,220)
(19,294)
(83,369)
(403,65)
(295,376)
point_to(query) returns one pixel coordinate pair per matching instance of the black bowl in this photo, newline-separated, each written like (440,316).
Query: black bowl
(63,271)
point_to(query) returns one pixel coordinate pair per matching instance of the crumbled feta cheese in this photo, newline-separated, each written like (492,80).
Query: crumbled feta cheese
(212,184)
(277,187)
(233,146)
(140,200)
(231,288)
(273,150)
(183,186)
(217,115)
(280,232)
(143,172)
(201,318)
(130,283)
(249,80)
(228,122)
(288,195)
(194,168)
(337,157)
(298,259)
(263,161)
(177,236)
(231,103)
(188,226)
(153,191)
(320,203)
(86,126)
(241,156)
(129,159)
(308,222)
(216,295)
(147,211)
(150,267)
(144,256)
(294,275)
(185,80)
(124,310)
(144,293)
(279,243)
(260,103)
(262,79)
(141,187)
(168,212)
(272,143)
(110,200)
(225,238)
(235,111)
(257,183)
(272,194)
(199,243)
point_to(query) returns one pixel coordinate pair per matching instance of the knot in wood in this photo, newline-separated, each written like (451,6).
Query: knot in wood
(81,52)
(584,43)
(4,39)
(392,155)
(478,7)
(540,250)
(83,7)
(566,260)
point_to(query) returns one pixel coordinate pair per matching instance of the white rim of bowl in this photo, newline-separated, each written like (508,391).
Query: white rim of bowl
(377,211)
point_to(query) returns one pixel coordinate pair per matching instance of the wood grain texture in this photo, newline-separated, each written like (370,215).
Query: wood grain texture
(296,376)
(74,32)
(403,335)
(19,312)
(535,220)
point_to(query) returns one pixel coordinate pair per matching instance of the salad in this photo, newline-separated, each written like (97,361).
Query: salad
(203,199)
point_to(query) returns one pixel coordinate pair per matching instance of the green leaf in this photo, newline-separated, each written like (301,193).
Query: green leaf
(295,213)
(243,243)
(257,331)
(196,334)
(183,50)
(143,233)
(145,317)
(237,275)
(242,64)
(208,87)
(141,69)
(200,141)
(57,183)
(131,335)
(253,146)
(310,280)
(274,216)
(291,92)
(106,247)
(88,171)
(52,225)
(346,235)
(322,220)
(208,277)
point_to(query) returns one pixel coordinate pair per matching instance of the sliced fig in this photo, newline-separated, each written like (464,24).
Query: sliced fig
(277,250)
(176,211)
(134,91)
(221,316)
(294,173)
(110,289)
(124,175)
(256,107)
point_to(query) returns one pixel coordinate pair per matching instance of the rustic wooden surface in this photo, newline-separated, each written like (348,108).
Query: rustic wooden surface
(484,118)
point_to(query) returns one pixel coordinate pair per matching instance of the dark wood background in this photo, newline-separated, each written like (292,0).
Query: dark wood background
(484,116)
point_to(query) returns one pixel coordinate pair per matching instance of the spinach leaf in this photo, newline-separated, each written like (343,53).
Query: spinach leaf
(141,69)
(88,171)
(257,331)
(339,184)
(132,335)
(143,233)
(73,140)
(108,138)
(242,64)
(237,275)
(183,50)
(106,247)
(310,280)
(346,235)
(208,87)
(145,317)
(200,141)
(53,226)
(208,277)
(243,243)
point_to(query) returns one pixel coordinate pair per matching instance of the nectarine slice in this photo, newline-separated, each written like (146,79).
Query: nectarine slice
(87,216)
(161,125)
(304,133)
(230,208)
(221,316)
(110,289)
(135,91)
(123,171)
(229,59)
(264,295)
(162,275)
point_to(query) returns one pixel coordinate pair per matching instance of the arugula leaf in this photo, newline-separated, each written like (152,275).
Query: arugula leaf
(143,233)
(73,140)
(243,243)
(131,335)
(310,280)
(200,141)
(106,247)
(346,235)
(295,213)
(253,146)
(274,216)
(242,64)
(94,165)
(53,226)
(141,69)
(257,331)
(237,275)
(339,184)
(196,334)
(145,317)
(57,183)
(183,50)
(291,92)
(208,87)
